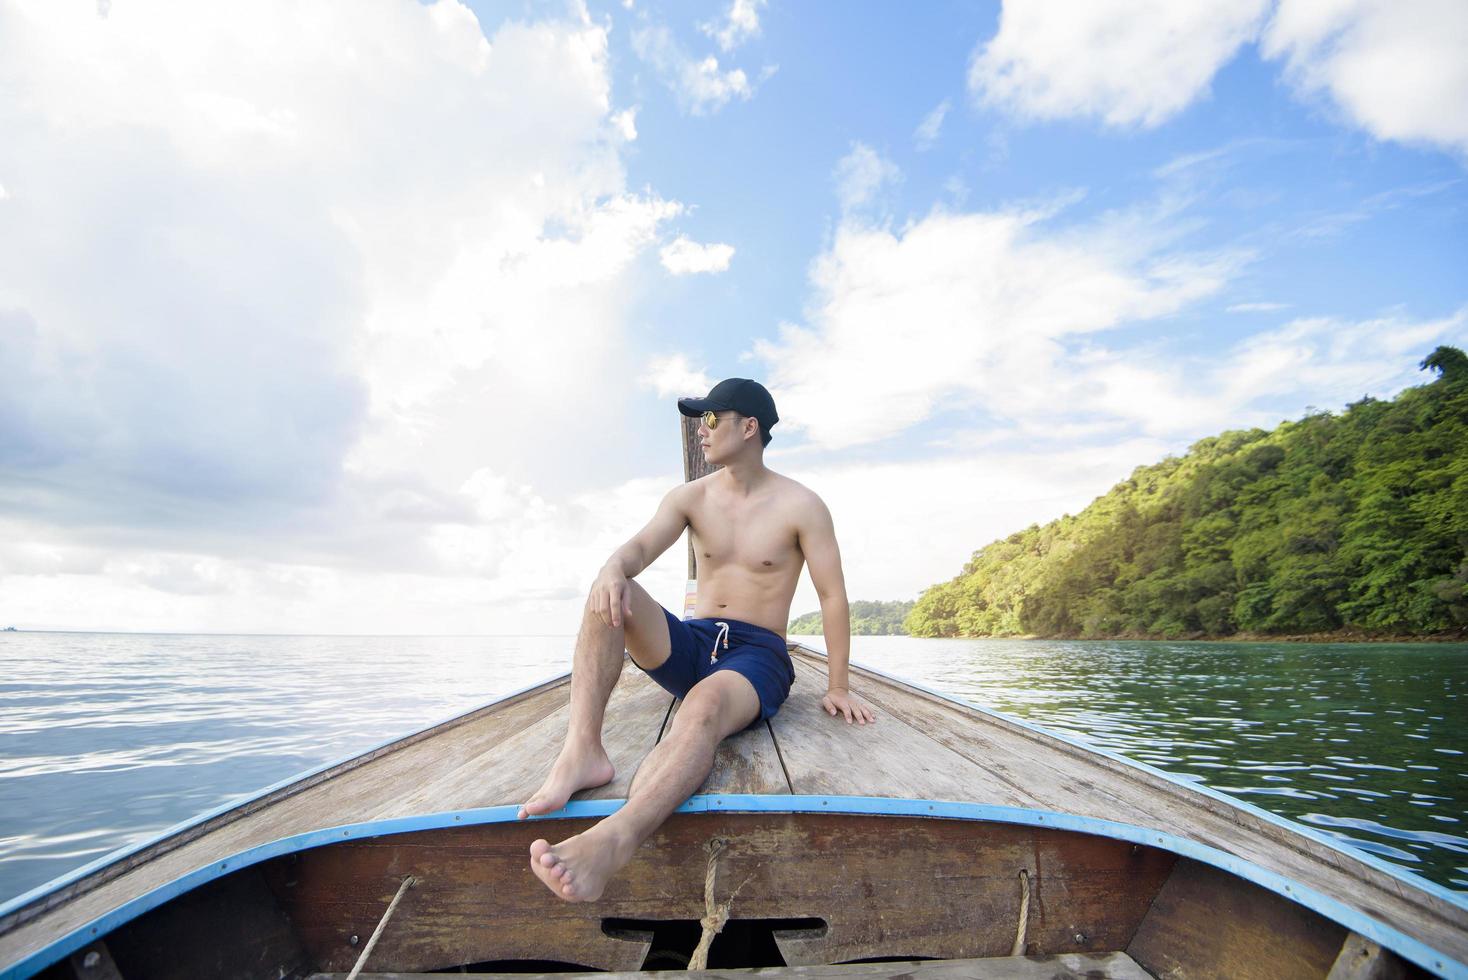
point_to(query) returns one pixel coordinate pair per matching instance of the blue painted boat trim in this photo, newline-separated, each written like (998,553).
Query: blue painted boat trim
(1352,919)
(1405,875)
(71,877)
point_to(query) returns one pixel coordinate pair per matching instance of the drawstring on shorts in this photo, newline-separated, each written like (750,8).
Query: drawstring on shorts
(723,635)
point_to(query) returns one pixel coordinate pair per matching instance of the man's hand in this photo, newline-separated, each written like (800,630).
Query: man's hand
(610,597)
(843,702)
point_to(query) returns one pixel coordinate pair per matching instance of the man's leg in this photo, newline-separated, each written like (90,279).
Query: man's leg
(597,664)
(578,868)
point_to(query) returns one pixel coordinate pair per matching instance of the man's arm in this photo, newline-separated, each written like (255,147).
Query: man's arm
(817,535)
(609,596)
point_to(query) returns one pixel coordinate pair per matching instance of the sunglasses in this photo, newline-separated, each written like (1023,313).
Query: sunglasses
(711,421)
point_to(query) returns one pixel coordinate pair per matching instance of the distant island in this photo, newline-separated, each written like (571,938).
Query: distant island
(867,619)
(1335,526)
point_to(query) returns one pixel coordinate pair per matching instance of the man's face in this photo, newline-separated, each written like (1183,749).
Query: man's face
(722,440)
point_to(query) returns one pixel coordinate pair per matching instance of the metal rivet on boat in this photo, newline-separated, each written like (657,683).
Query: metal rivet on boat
(91,959)
(353,939)
(1080,937)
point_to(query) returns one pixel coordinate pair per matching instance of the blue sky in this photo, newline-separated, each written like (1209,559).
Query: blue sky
(369,317)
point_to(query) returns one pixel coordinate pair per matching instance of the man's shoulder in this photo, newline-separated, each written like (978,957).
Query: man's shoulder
(684,493)
(798,496)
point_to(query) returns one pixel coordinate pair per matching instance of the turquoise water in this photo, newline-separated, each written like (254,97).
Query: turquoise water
(106,739)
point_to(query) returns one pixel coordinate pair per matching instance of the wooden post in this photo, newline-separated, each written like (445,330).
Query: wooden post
(694,467)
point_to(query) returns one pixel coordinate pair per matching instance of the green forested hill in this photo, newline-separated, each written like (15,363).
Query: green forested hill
(867,619)
(1354,521)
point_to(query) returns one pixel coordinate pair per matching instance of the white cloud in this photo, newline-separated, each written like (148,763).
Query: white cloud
(1396,68)
(672,376)
(699,85)
(739,25)
(927,131)
(1262,307)
(861,174)
(525,571)
(1127,62)
(338,270)
(683,256)
(626,124)
(967,311)
(1002,323)
(1328,361)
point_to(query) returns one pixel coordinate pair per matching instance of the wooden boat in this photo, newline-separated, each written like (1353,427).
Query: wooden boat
(945,840)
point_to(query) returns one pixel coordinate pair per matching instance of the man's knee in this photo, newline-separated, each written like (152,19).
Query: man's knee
(719,705)
(699,712)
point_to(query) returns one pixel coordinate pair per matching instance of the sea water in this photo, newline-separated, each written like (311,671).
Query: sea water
(106,739)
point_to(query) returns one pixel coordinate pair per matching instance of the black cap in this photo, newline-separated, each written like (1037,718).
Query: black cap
(737,395)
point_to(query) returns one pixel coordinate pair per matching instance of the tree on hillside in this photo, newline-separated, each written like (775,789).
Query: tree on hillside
(1449,362)
(1356,520)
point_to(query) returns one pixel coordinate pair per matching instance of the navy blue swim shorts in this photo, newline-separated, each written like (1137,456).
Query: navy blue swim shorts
(702,646)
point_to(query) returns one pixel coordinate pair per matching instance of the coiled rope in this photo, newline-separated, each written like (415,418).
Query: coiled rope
(408,882)
(715,916)
(1018,949)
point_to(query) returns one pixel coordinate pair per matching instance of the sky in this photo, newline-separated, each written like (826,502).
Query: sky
(370,316)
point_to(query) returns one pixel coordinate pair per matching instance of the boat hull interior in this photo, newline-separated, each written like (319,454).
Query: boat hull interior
(801,889)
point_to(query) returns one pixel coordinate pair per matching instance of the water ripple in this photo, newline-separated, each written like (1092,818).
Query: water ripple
(1337,735)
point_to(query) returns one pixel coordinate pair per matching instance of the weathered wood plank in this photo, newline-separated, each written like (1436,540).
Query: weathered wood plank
(825,755)
(1362,959)
(1206,923)
(1066,966)
(511,767)
(229,929)
(92,962)
(885,886)
(695,467)
(745,762)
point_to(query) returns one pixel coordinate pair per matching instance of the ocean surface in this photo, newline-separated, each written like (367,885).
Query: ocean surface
(107,739)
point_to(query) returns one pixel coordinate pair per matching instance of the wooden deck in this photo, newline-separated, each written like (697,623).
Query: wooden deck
(1066,966)
(922,747)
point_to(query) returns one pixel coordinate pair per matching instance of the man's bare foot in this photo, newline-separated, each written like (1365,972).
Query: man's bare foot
(578,868)
(574,769)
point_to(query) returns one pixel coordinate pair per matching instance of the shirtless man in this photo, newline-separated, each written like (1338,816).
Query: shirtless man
(752,529)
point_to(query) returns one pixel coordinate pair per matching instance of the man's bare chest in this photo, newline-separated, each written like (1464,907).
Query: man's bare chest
(756,538)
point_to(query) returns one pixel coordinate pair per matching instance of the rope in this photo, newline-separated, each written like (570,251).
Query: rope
(723,635)
(715,915)
(408,882)
(1024,914)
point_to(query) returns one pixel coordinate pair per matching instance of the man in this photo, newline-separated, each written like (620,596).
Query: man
(752,530)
